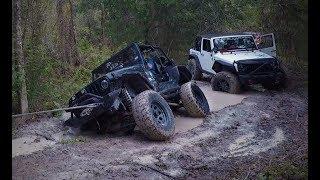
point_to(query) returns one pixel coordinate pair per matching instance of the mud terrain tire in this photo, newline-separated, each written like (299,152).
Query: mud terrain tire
(153,115)
(226,82)
(194,100)
(195,69)
(282,83)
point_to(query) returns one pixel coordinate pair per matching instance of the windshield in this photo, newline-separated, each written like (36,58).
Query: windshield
(234,43)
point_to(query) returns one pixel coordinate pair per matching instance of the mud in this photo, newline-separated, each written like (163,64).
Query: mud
(217,101)
(239,141)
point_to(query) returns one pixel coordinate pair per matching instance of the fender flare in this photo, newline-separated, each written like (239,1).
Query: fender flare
(136,81)
(184,74)
(224,66)
(195,57)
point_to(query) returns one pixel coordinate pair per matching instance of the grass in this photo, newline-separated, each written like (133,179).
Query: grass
(284,171)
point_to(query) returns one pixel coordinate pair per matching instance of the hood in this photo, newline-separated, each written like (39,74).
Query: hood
(232,57)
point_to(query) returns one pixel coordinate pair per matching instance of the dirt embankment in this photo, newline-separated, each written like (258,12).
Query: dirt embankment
(265,135)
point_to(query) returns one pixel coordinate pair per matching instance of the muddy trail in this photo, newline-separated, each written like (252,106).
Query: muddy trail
(264,134)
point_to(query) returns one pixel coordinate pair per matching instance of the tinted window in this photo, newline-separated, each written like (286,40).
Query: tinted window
(206,45)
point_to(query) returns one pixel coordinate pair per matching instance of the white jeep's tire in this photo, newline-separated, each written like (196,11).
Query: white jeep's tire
(226,81)
(195,69)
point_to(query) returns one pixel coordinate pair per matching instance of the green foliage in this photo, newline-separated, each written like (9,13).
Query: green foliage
(105,26)
(284,171)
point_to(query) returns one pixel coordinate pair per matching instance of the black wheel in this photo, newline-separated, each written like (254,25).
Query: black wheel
(281,82)
(226,82)
(153,115)
(195,69)
(194,100)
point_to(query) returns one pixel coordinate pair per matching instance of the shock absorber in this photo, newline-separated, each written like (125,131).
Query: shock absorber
(126,99)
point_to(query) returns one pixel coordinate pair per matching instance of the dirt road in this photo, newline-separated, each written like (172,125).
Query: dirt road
(261,133)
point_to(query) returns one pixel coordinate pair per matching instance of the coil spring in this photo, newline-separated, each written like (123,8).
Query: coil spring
(126,99)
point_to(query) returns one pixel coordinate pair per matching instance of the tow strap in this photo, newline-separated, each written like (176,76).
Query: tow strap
(59,109)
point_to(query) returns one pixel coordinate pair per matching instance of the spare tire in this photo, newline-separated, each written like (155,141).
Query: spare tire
(193,100)
(195,69)
(226,82)
(153,115)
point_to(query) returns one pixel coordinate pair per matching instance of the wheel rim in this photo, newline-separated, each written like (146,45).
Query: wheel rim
(200,98)
(223,85)
(159,114)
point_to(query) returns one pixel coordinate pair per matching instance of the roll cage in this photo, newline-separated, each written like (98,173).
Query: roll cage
(132,55)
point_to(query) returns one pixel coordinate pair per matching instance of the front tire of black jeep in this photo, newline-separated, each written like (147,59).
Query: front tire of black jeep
(195,69)
(153,115)
(194,100)
(226,82)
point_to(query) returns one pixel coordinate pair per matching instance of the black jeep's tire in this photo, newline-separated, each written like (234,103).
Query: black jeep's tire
(153,115)
(195,69)
(226,82)
(194,100)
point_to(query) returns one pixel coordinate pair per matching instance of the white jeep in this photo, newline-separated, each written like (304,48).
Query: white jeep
(235,61)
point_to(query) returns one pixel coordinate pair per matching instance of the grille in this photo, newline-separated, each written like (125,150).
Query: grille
(248,68)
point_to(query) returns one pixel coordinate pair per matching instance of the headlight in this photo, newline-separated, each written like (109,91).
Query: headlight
(104,84)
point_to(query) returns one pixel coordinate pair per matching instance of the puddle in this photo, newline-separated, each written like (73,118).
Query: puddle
(29,144)
(33,143)
(217,101)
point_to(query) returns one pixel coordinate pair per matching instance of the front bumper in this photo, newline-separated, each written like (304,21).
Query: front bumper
(109,105)
(261,78)
(87,115)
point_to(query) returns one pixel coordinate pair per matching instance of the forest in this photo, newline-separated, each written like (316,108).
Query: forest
(57,43)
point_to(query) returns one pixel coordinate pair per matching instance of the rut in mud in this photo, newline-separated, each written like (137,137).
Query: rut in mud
(240,141)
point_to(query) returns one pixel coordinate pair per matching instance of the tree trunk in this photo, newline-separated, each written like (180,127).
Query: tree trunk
(67,36)
(63,53)
(72,36)
(21,61)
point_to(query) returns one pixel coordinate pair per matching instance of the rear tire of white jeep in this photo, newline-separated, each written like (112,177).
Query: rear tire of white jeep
(193,100)
(226,82)
(153,115)
(195,69)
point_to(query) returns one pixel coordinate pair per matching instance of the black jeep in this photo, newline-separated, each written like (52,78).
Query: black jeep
(137,86)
